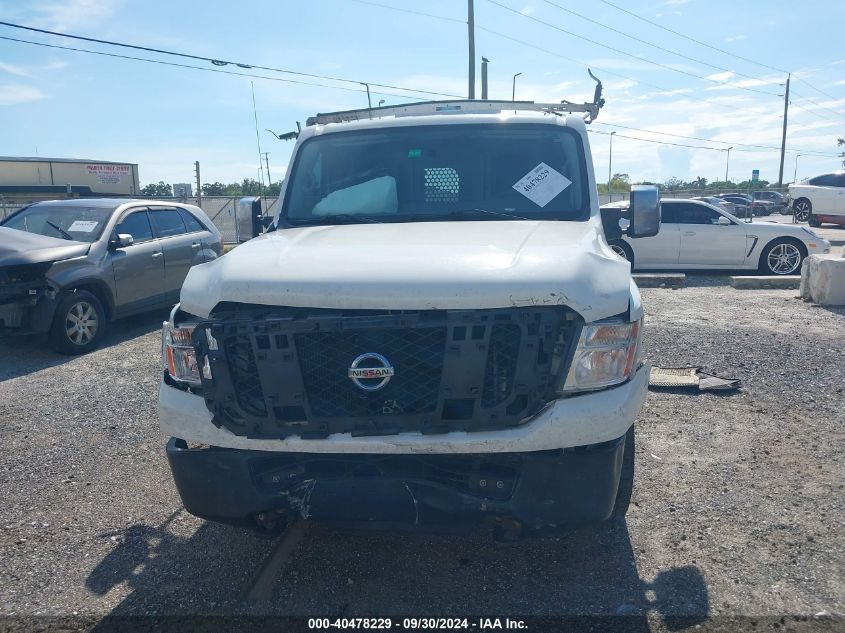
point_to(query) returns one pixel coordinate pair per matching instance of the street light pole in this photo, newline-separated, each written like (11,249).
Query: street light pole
(795,173)
(610,166)
(728,162)
(513,92)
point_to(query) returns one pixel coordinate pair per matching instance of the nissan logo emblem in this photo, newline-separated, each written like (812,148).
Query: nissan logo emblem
(371,371)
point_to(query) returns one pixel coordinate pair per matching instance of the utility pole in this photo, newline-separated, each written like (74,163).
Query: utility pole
(471,31)
(199,186)
(783,138)
(610,166)
(267,162)
(484,62)
(513,90)
(795,173)
(728,162)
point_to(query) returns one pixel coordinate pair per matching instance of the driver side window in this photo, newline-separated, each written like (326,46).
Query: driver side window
(136,224)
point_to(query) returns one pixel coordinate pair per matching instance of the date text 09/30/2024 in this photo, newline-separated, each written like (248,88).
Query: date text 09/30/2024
(413,624)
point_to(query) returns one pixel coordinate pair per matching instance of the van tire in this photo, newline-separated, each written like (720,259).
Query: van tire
(626,478)
(82,307)
(623,250)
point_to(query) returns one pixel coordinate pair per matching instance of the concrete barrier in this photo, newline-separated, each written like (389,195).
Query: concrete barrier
(823,280)
(669,280)
(758,282)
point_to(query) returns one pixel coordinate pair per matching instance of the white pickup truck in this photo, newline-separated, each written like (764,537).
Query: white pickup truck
(434,332)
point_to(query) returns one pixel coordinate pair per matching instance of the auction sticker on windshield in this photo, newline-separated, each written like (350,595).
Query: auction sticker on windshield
(542,184)
(83,226)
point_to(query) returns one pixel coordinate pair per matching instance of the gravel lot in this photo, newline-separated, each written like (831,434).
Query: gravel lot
(737,509)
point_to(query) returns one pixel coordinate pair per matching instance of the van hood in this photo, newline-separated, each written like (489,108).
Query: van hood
(20,247)
(419,266)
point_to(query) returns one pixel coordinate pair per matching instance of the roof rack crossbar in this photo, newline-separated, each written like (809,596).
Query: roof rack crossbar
(474,106)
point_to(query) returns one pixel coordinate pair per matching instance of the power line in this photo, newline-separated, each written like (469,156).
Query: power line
(818,105)
(819,90)
(411,11)
(548,52)
(631,55)
(220,62)
(710,46)
(210,70)
(652,44)
(710,140)
(650,140)
(692,39)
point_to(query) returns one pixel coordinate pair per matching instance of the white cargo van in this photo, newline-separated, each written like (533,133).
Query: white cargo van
(435,332)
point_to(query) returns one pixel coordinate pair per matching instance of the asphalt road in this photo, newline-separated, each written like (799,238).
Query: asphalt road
(737,510)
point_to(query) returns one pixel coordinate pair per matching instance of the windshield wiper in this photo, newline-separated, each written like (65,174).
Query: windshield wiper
(64,233)
(343,218)
(472,212)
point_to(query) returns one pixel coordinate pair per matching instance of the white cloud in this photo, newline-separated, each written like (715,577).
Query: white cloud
(528,10)
(13,94)
(676,3)
(720,76)
(841,82)
(67,15)
(13,69)
(735,38)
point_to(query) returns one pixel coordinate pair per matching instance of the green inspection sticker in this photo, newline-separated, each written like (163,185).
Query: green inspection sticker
(414,153)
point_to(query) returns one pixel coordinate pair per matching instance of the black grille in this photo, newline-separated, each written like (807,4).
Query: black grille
(416,355)
(282,371)
(500,368)
(244,373)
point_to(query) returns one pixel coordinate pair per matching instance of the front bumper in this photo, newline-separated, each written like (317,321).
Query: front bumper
(533,491)
(589,418)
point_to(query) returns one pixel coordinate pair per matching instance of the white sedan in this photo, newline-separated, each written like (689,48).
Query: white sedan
(695,235)
(819,199)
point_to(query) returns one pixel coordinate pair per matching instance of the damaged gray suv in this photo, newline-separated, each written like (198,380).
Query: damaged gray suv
(67,267)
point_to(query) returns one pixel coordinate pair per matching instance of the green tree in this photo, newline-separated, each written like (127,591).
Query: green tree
(674,184)
(839,143)
(213,189)
(250,187)
(232,189)
(160,188)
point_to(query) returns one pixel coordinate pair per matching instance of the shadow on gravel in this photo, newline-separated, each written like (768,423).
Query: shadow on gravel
(588,577)
(23,355)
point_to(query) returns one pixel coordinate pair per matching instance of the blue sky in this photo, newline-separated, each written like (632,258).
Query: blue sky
(69,104)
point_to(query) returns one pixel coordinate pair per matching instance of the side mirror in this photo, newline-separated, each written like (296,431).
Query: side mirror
(644,211)
(723,221)
(121,241)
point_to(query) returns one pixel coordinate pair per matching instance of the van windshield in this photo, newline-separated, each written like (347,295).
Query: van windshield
(441,172)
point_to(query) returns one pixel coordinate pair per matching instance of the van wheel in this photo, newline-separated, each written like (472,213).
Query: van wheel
(623,250)
(803,208)
(79,323)
(626,479)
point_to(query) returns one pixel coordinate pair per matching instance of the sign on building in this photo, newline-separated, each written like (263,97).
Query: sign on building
(108,174)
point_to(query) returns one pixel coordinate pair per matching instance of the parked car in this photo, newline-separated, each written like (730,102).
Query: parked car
(67,267)
(724,205)
(695,235)
(819,199)
(745,205)
(433,327)
(778,200)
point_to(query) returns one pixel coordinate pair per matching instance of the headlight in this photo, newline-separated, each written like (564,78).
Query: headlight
(179,359)
(606,355)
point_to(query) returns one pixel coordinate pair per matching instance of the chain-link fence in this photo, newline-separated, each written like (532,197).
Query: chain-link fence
(221,209)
